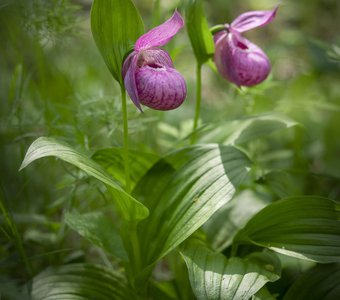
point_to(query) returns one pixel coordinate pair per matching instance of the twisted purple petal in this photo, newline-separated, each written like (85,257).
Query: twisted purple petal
(161,88)
(253,19)
(154,57)
(240,61)
(161,34)
(129,74)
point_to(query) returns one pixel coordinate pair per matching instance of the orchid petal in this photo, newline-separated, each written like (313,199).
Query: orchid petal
(220,34)
(160,35)
(129,74)
(160,88)
(154,57)
(240,61)
(253,19)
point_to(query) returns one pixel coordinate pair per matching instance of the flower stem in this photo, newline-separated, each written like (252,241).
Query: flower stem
(218,28)
(126,139)
(198,101)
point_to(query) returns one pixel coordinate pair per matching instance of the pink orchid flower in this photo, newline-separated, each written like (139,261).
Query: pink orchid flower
(149,75)
(237,59)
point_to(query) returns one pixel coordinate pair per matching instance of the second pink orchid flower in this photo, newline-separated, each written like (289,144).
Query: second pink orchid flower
(237,59)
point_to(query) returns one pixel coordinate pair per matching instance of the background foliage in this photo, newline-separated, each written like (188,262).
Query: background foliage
(54,83)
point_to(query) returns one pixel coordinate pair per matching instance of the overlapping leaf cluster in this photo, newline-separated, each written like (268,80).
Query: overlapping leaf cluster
(211,211)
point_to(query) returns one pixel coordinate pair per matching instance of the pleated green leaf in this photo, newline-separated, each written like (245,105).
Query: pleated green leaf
(98,229)
(215,277)
(111,159)
(244,130)
(129,207)
(229,219)
(115,25)
(198,30)
(320,282)
(81,282)
(305,227)
(183,190)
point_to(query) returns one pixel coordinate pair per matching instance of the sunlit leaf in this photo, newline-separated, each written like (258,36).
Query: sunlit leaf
(243,130)
(215,277)
(229,219)
(183,191)
(305,227)
(42,147)
(111,159)
(115,25)
(81,282)
(97,228)
(198,31)
(321,282)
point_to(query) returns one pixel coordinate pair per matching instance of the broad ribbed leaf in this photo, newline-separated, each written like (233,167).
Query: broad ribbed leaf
(111,159)
(198,30)
(303,227)
(130,208)
(244,130)
(80,281)
(183,190)
(98,229)
(229,219)
(115,25)
(215,277)
(321,282)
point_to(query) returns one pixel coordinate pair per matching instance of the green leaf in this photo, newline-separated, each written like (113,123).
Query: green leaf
(112,160)
(283,184)
(229,219)
(129,207)
(97,228)
(198,30)
(115,25)
(244,130)
(183,191)
(214,277)
(263,294)
(80,282)
(305,227)
(320,282)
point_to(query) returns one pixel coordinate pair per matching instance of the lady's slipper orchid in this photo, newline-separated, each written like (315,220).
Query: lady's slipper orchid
(237,59)
(149,75)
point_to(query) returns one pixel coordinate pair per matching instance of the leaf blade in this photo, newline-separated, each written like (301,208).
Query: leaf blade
(305,227)
(213,276)
(115,26)
(183,191)
(99,230)
(320,282)
(84,281)
(43,147)
(198,30)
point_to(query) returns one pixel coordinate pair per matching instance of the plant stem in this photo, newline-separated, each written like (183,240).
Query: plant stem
(126,140)
(198,100)
(17,239)
(218,28)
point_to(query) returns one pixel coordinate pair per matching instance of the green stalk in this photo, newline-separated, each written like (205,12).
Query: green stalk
(217,28)
(198,101)
(17,239)
(126,139)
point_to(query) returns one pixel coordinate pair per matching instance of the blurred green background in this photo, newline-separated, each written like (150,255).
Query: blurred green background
(53,82)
